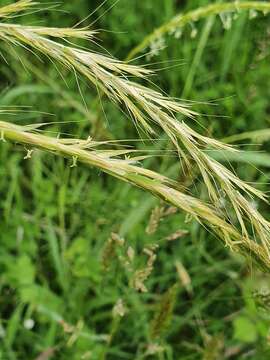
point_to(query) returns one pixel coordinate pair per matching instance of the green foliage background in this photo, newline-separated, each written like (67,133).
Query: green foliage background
(55,220)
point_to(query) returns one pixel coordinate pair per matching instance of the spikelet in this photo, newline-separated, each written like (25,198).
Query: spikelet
(184,276)
(155,218)
(157,215)
(119,309)
(140,276)
(109,251)
(14,8)
(163,315)
(178,234)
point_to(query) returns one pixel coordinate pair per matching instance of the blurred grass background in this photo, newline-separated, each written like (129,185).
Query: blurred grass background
(65,288)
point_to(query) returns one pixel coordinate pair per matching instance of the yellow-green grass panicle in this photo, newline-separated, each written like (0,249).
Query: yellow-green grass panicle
(85,151)
(146,106)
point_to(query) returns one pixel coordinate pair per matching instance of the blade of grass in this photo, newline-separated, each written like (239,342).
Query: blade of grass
(197,57)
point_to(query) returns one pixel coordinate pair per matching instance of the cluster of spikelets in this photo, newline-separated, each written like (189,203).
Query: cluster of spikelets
(150,110)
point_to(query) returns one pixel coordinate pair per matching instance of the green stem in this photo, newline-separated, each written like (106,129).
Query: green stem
(197,57)
(181,20)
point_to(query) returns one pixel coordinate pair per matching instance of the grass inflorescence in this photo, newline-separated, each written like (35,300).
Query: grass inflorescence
(126,169)
(148,108)
(119,248)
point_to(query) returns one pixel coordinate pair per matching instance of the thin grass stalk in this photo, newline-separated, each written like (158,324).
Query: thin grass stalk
(180,20)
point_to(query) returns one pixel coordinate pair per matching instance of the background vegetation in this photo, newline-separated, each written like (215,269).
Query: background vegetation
(94,269)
